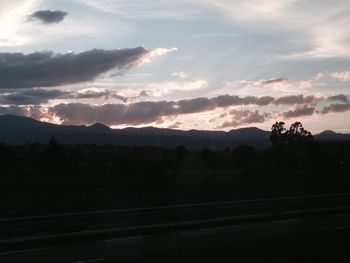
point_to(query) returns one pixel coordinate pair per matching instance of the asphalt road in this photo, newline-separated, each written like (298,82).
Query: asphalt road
(290,229)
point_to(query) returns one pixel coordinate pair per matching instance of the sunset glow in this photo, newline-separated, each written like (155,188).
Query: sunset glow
(214,65)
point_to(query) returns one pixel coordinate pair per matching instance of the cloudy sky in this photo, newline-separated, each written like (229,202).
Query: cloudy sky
(183,64)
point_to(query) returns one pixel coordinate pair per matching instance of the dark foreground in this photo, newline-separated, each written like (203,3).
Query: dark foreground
(90,203)
(290,229)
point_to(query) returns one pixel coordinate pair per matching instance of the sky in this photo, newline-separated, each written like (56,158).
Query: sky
(181,64)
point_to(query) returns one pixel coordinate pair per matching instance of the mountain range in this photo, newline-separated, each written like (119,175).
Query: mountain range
(19,130)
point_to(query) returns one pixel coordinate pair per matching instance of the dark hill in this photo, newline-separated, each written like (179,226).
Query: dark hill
(332,136)
(18,130)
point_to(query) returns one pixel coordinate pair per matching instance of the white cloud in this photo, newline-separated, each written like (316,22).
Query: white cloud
(282,84)
(342,76)
(194,85)
(156,52)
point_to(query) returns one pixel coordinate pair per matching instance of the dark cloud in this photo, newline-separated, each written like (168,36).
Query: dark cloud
(263,83)
(32,97)
(113,114)
(337,107)
(194,105)
(145,112)
(244,117)
(148,111)
(145,93)
(265,100)
(299,112)
(175,125)
(48,16)
(41,96)
(98,94)
(91,94)
(261,101)
(339,98)
(228,100)
(222,101)
(45,69)
(296,99)
(13,110)
(35,112)
(142,94)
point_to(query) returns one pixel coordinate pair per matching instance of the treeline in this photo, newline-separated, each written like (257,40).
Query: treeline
(54,178)
(54,159)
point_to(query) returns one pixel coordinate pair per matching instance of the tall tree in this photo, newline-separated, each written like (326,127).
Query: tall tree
(277,136)
(298,134)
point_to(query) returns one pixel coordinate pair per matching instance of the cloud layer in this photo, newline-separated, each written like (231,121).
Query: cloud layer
(31,97)
(244,117)
(148,111)
(298,111)
(40,96)
(337,107)
(45,69)
(342,75)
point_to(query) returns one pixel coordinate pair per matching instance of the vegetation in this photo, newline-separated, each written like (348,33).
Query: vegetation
(52,178)
(295,135)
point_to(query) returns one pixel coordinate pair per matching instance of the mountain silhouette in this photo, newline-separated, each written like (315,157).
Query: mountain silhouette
(329,135)
(19,130)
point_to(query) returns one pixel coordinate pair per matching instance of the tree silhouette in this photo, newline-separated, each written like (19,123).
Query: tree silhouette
(297,134)
(292,148)
(277,136)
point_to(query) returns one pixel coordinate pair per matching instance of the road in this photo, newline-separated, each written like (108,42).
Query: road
(290,229)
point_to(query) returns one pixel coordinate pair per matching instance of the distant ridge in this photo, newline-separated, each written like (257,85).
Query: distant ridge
(99,127)
(329,135)
(327,132)
(19,130)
